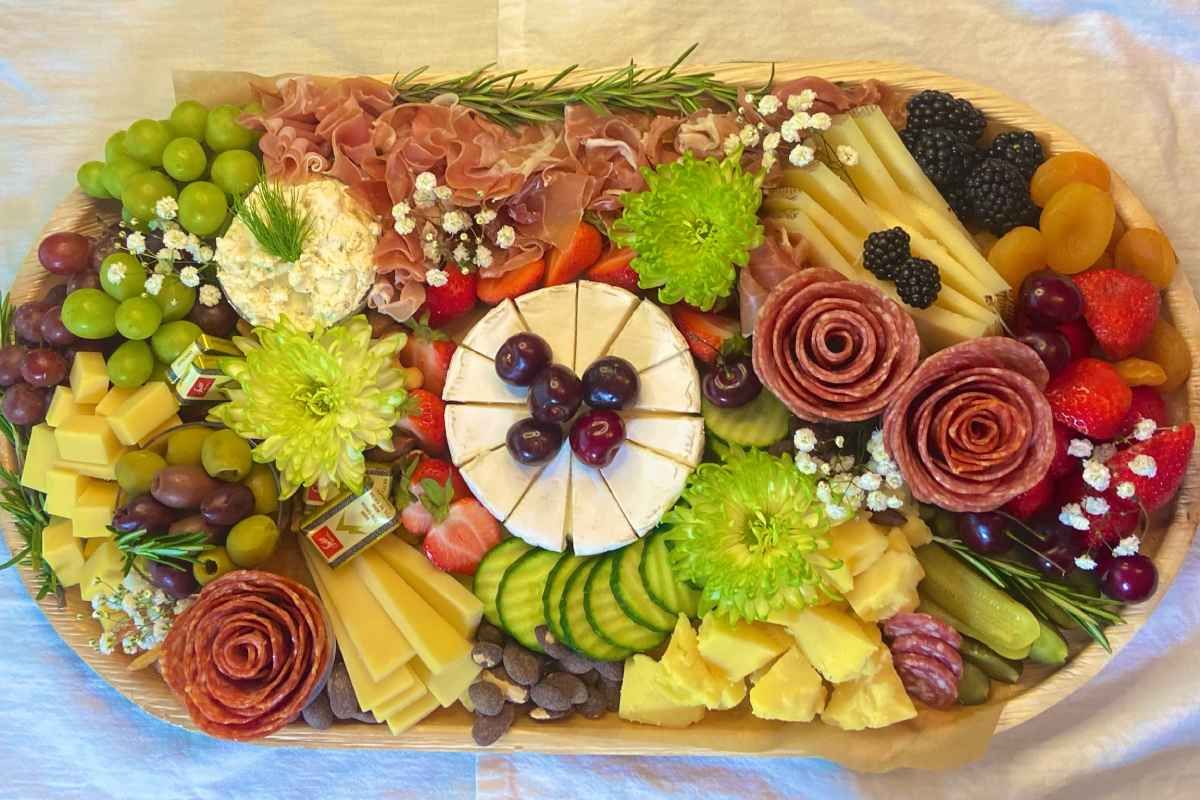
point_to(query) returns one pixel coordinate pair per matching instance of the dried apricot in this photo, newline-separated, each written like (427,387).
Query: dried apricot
(1105,261)
(1140,372)
(1146,252)
(1058,171)
(1076,225)
(1167,348)
(1018,253)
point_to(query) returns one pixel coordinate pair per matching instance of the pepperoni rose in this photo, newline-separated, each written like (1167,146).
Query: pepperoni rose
(831,349)
(971,428)
(248,655)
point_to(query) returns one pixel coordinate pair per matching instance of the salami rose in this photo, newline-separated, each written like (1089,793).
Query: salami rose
(971,429)
(831,349)
(248,655)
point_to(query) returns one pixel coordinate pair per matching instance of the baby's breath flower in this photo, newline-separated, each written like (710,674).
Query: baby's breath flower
(1144,429)
(483,257)
(768,104)
(791,128)
(154,284)
(136,242)
(431,249)
(190,277)
(1096,506)
(1085,562)
(116,272)
(1072,515)
(1079,448)
(443,193)
(801,155)
(425,182)
(505,237)
(436,277)
(176,240)
(732,143)
(484,216)
(1128,546)
(1126,490)
(404,225)
(877,501)
(748,135)
(869,481)
(455,221)
(802,101)
(821,121)
(847,155)
(768,159)
(1144,466)
(401,210)
(805,440)
(770,141)
(461,254)
(204,254)
(1096,475)
(166,207)
(209,295)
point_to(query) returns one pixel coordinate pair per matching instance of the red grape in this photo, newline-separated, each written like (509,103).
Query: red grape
(1130,579)
(53,330)
(27,321)
(88,279)
(25,405)
(65,253)
(1052,348)
(55,295)
(43,367)
(1051,298)
(10,364)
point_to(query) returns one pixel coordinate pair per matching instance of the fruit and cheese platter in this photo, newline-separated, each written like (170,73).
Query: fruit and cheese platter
(794,409)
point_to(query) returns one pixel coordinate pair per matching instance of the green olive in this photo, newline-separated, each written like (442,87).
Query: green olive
(212,564)
(252,541)
(185,444)
(261,483)
(226,456)
(136,469)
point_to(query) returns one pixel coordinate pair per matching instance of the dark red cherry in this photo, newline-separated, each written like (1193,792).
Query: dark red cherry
(610,382)
(985,533)
(1051,298)
(597,436)
(1052,348)
(521,358)
(1130,579)
(533,442)
(555,394)
(732,382)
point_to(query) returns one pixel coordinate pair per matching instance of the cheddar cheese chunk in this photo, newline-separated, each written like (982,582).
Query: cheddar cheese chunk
(89,377)
(104,472)
(143,412)
(450,599)
(102,572)
(63,488)
(63,406)
(62,551)
(87,438)
(112,400)
(39,457)
(94,510)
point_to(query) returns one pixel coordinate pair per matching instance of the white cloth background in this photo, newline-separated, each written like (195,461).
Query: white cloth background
(1124,76)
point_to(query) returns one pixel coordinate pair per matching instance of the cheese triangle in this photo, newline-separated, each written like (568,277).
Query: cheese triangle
(597,523)
(550,313)
(679,438)
(540,517)
(672,385)
(648,338)
(493,329)
(473,379)
(645,484)
(602,313)
(498,480)
(472,428)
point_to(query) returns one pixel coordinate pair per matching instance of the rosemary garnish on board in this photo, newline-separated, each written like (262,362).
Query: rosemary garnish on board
(276,218)
(172,549)
(500,97)
(1092,613)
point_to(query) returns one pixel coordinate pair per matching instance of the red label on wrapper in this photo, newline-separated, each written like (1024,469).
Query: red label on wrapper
(326,541)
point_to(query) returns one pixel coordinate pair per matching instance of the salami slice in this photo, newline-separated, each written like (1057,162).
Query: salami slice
(248,655)
(926,679)
(908,623)
(831,349)
(924,645)
(971,429)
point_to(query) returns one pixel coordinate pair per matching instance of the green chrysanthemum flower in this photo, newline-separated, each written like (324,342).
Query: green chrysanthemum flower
(695,221)
(315,401)
(750,533)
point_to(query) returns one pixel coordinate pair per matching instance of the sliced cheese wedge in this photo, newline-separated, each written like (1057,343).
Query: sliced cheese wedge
(597,522)
(673,385)
(474,428)
(493,329)
(450,599)
(679,438)
(540,517)
(450,683)
(648,338)
(473,379)
(401,701)
(645,484)
(498,480)
(602,313)
(419,710)
(550,313)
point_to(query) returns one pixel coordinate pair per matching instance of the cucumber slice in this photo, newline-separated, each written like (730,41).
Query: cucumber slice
(578,632)
(630,591)
(490,572)
(556,584)
(674,596)
(606,617)
(760,423)
(519,599)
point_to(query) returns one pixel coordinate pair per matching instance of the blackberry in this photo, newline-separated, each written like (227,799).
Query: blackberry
(884,253)
(999,196)
(941,154)
(918,283)
(1019,148)
(934,109)
(959,202)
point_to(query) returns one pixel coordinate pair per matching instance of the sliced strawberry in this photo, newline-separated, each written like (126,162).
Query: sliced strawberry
(564,266)
(416,519)
(1078,336)
(613,268)
(452,299)
(1090,397)
(513,283)
(460,541)
(424,491)
(429,350)
(1120,308)
(1032,500)
(1170,449)
(704,331)
(1063,461)
(1147,404)
(425,418)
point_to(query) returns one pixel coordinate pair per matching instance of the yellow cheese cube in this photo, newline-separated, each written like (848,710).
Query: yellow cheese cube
(102,572)
(857,544)
(94,510)
(419,710)
(87,438)
(791,690)
(143,412)
(112,400)
(874,701)
(62,551)
(91,545)
(105,472)
(916,531)
(173,421)
(644,700)
(732,695)
(89,377)
(448,684)
(39,458)
(888,587)
(898,542)
(63,406)
(739,649)
(689,677)
(450,599)
(63,488)
(838,646)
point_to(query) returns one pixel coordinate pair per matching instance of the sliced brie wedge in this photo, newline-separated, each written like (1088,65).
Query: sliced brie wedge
(673,385)
(678,438)
(603,311)
(498,480)
(494,329)
(473,379)
(597,522)
(550,313)
(540,518)
(648,338)
(473,428)
(645,484)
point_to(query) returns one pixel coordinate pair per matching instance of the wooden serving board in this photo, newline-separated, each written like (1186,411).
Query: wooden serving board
(450,729)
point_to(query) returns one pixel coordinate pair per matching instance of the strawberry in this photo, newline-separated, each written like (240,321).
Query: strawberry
(424,491)
(1171,449)
(1120,308)
(453,299)
(1078,336)
(513,283)
(1090,397)
(429,350)
(614,268)
(459,542)
(425,418)
(564,266)
(1147,404)
(1032,500)
(1104,530)
(1063,461)
(704,331)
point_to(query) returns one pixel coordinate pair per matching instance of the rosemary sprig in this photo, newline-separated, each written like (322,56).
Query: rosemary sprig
(500,97)
(1092,613)
(276,218)
(171,549)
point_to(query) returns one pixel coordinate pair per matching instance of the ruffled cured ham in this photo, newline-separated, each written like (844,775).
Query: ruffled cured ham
(248,655)
(831,349)
(969,428)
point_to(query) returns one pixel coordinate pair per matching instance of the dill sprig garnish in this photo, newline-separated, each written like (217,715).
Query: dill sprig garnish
(1091,612)
(276,218)
(500,97)
(172,549)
